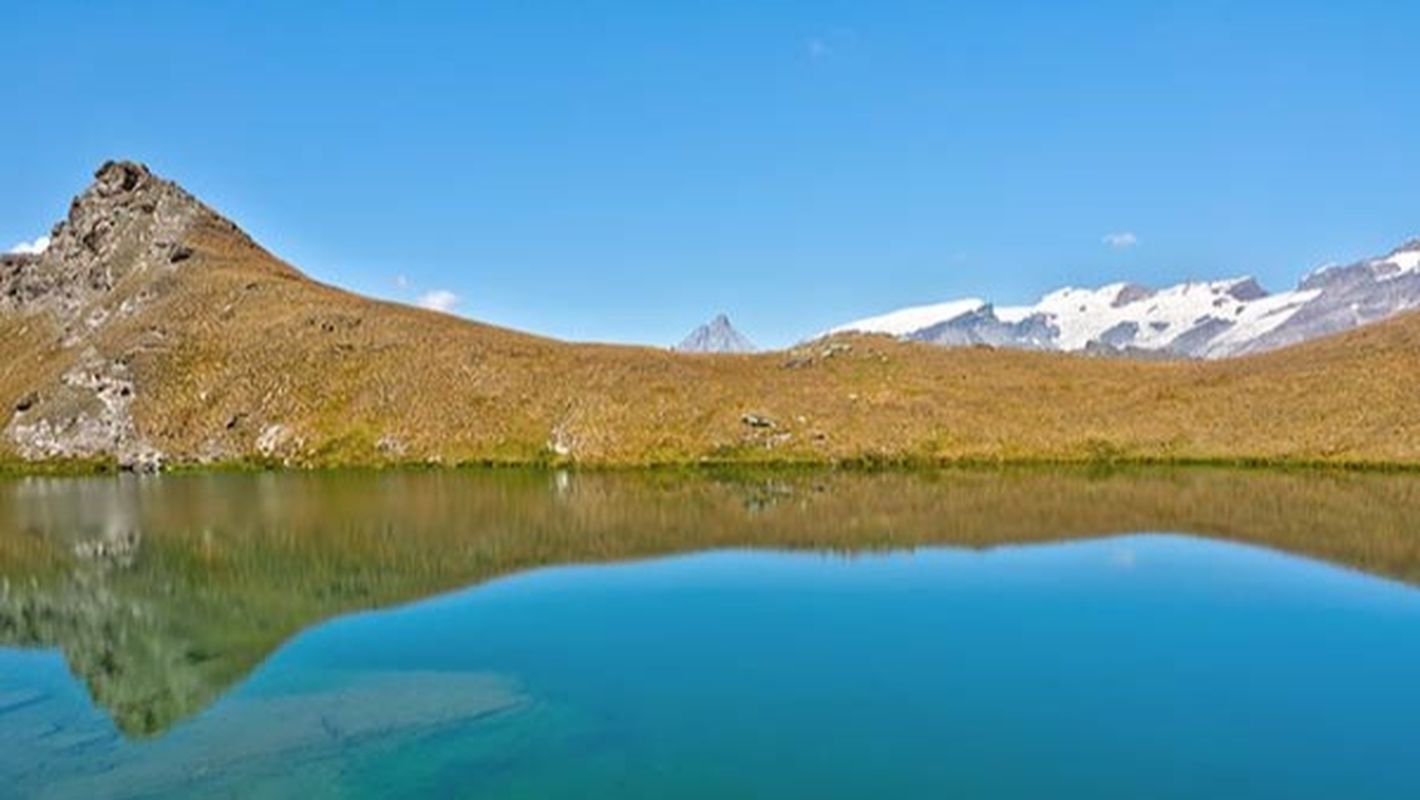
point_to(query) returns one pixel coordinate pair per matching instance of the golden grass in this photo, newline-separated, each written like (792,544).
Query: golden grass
(236,342)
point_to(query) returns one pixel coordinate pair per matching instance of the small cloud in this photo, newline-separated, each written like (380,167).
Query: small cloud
(441,300)
(818,48)
(401,281)
(32,248)
(1121,241)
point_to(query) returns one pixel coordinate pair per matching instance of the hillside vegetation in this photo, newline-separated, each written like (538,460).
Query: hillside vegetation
(154,331)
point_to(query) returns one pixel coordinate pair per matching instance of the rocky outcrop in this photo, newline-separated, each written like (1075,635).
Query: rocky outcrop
(86,416)
(128,222)
(126,230)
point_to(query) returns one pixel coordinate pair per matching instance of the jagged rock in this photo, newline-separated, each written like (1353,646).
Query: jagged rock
(87,416)
(127,223)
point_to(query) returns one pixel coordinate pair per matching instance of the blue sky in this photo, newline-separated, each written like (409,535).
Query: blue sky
(622,171)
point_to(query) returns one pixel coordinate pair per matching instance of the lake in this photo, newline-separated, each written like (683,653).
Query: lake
(1162,633)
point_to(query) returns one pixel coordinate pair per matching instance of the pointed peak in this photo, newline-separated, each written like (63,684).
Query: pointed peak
(127,221)
(117,177)
(718,335)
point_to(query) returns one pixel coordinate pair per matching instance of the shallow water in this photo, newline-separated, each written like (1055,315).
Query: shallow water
(521,634)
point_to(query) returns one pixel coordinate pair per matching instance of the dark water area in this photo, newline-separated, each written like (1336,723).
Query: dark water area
(1004,633)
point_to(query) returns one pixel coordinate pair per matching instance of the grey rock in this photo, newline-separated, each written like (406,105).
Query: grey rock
(716,336)
(1120,335)
(982,327)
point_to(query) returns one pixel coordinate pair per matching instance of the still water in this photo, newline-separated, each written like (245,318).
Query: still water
(1197,633)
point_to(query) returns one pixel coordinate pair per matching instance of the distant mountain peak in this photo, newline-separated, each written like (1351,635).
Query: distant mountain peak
(718,335)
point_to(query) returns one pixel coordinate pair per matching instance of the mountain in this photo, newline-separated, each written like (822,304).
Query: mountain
(153,332)
(716,336)
(1191,320)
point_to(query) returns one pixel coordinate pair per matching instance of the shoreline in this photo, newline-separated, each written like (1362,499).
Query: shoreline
(111,467)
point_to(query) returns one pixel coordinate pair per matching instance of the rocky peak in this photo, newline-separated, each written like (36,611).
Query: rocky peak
(1247,289)
(1131,293)
(128,221)
(716,336)
(124,232)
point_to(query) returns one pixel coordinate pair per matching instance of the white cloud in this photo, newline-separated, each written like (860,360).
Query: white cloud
(441,300)
(32,248)
(1122,240)
(401,281)
(817,48)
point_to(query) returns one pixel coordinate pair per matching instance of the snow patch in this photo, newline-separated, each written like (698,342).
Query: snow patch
(1406,261)
(907,320)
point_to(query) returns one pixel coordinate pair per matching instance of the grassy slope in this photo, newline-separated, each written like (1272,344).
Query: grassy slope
(237,341)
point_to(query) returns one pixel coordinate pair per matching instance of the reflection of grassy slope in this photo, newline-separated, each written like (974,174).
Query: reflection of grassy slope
(229,566)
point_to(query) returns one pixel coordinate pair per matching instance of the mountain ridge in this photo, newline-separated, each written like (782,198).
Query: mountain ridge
(154,333)
(1195,319)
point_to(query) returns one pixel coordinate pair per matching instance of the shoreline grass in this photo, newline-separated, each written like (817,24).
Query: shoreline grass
(709,465)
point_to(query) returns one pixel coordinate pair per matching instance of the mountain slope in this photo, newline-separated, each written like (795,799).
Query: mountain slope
(716,336)
(1194,320)
(154,331)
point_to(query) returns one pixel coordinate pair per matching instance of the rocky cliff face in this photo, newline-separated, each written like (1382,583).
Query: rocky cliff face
(105,262)
(127,223)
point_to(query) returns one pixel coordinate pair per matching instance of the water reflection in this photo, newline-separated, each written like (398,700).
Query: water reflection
(162,592)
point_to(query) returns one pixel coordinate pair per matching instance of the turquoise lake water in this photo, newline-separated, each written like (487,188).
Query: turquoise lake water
(1126,665)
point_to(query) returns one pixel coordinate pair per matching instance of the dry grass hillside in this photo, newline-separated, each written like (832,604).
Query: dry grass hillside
(154,330)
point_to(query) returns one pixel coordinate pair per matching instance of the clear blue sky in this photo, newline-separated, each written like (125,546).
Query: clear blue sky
(621,171)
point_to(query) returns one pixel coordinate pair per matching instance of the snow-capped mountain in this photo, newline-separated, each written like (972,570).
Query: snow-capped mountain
(1199,320)
(716,336)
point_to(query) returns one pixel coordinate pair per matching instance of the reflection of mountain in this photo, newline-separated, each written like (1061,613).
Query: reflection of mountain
(163,592)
